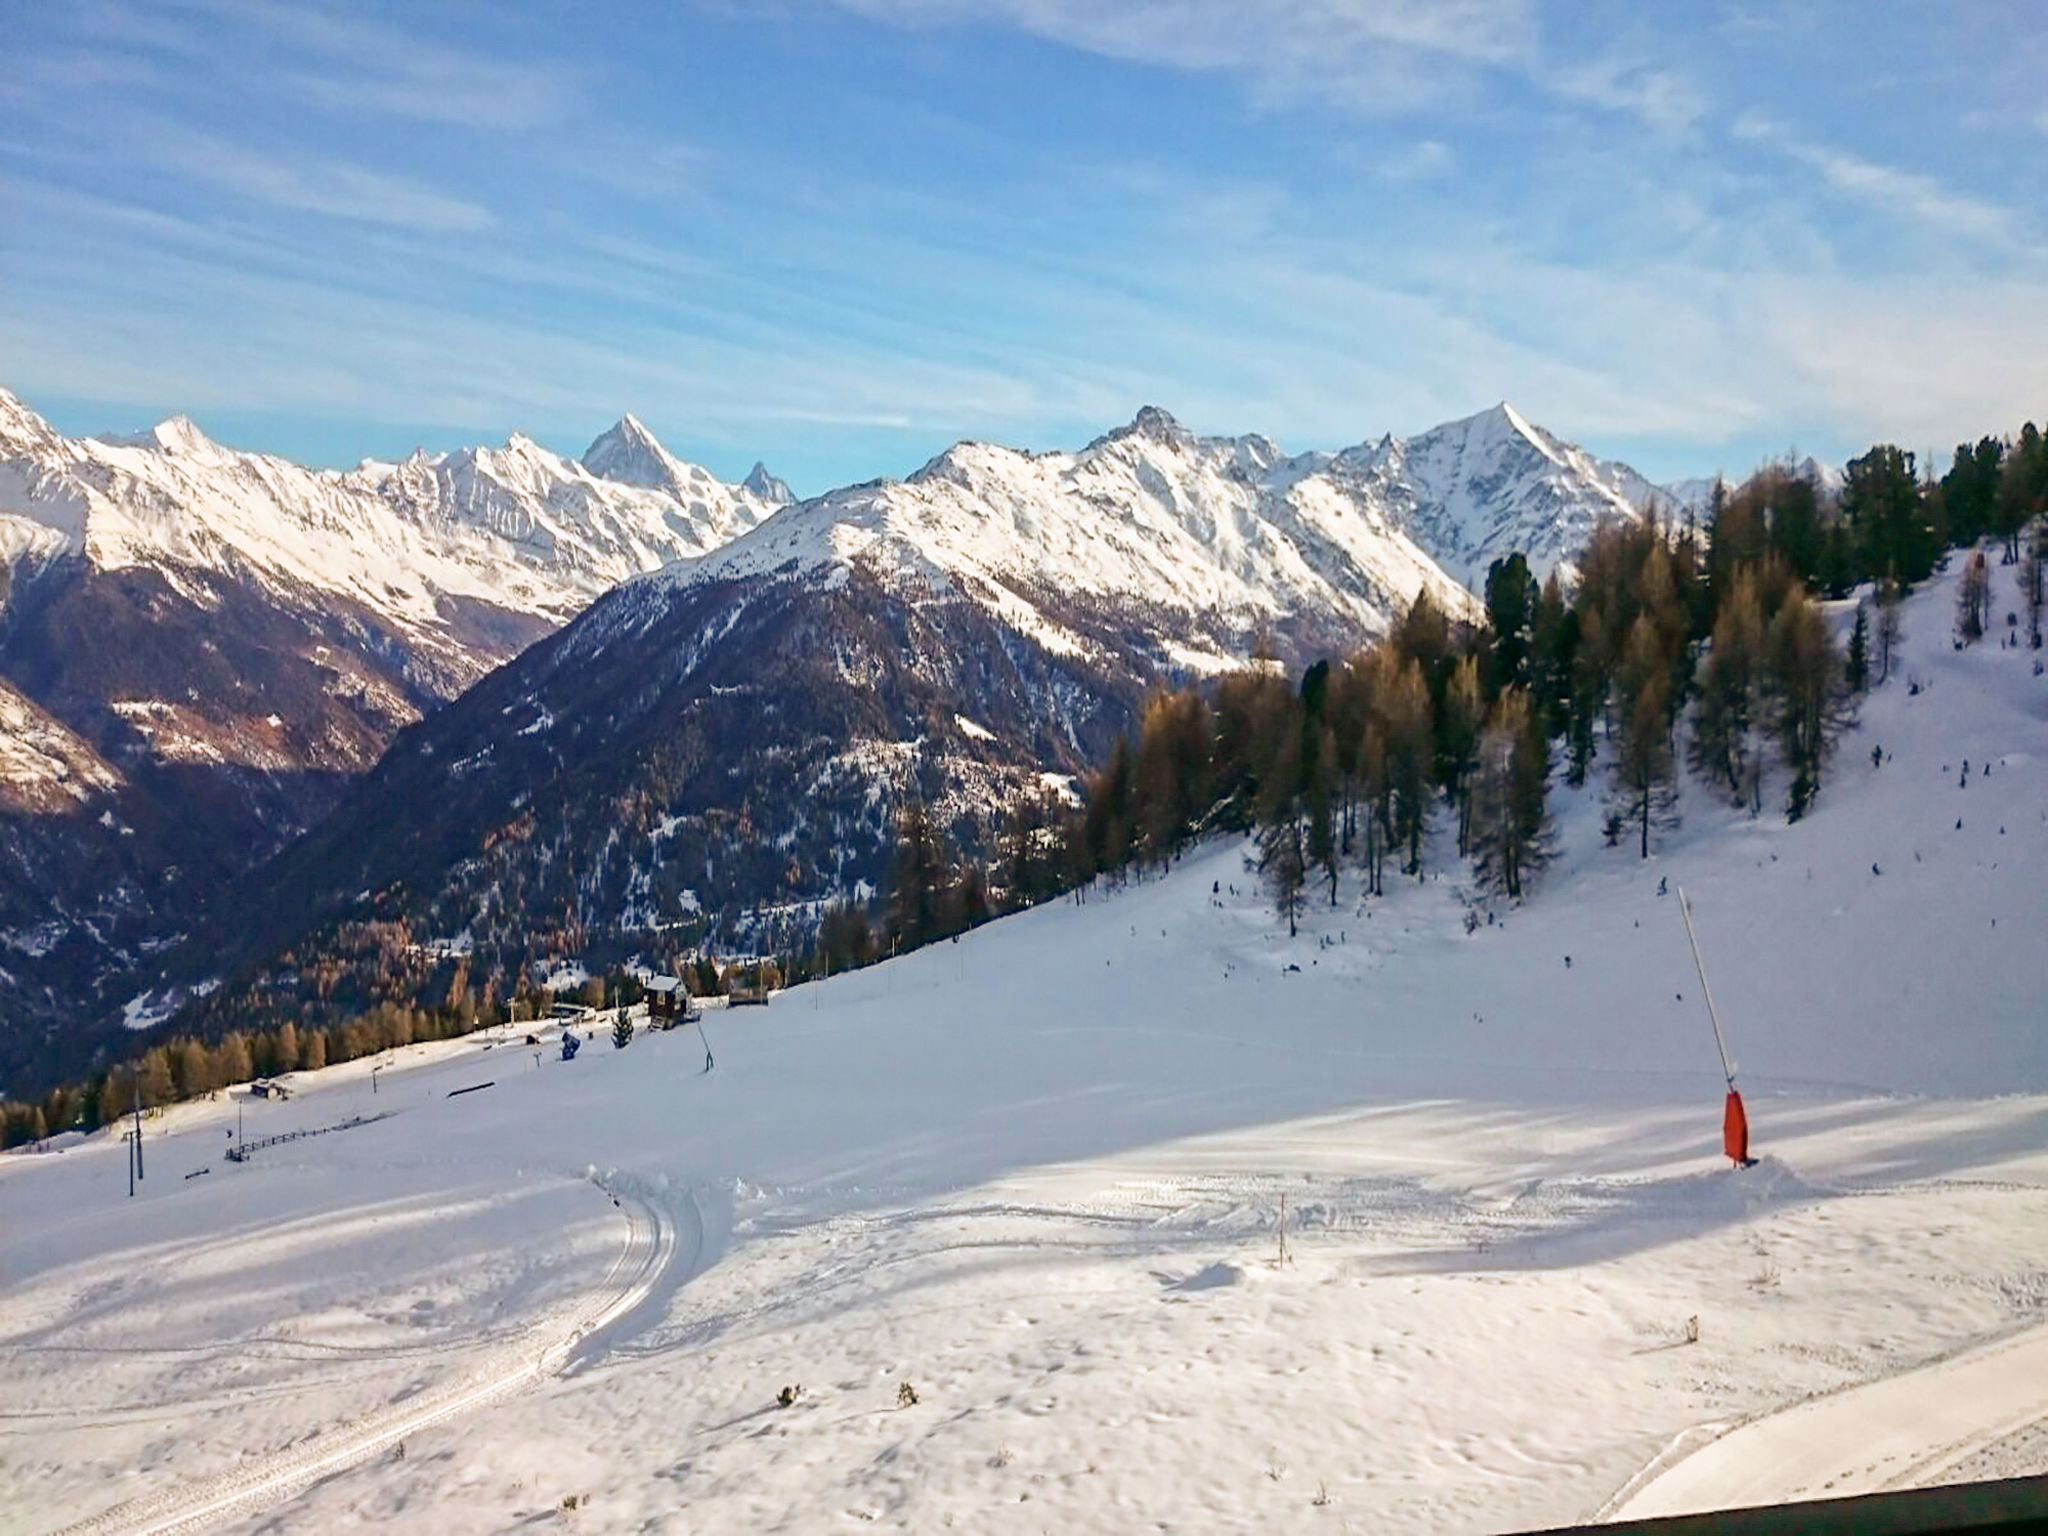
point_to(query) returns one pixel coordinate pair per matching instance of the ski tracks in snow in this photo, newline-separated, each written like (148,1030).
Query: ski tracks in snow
(544,1349)
(1903,1431)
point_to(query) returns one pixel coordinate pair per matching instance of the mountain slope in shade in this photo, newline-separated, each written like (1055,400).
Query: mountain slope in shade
(721,747)
(236,637)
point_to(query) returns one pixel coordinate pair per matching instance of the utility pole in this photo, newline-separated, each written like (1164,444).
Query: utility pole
(135,1081)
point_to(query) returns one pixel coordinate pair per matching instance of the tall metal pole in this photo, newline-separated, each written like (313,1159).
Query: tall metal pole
(1685,909)
(135,1079)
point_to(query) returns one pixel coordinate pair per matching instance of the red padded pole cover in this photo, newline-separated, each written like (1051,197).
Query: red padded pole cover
(1735,1129)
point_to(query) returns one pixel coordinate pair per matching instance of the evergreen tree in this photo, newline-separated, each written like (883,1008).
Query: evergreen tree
(1406,724)
(1458,723)
(1728,712)
(2034,581)
(1890,626)
(1173,771)
(622,1030)
(1885,509)
(1513,604)
(1805,673)
(1796,530)
(1973,597)
(1286,869)
(1643,781)
(1970,489)
(1511,781)
(1856,672)
(923,873)
(1319,795)
(2022,490)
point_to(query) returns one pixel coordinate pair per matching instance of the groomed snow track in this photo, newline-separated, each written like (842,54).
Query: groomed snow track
(1903,1431)
(541,1351)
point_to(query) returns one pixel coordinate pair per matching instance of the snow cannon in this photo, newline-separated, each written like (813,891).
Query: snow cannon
(1734,1119)
(570,1045)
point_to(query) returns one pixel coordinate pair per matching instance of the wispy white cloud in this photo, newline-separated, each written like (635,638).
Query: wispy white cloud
(313,184)
(1424,160)
(1887,189)
(1371,56)
(1661,98)
(1359,53)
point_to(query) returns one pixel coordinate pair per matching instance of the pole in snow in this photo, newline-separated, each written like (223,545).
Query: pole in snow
(706,1039)
(1734,1120)
(135,1079)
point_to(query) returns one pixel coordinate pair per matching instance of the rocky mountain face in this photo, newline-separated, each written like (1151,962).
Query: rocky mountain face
(718,749)
(1474,491)
(215,648)
(200,648)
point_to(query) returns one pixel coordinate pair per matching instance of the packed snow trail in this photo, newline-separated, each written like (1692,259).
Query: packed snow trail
(1901,1432)
(649,1248)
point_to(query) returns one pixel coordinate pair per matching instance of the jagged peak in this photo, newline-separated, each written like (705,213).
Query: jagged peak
(1152,424)
(628,452)
(770,488)
(18,421)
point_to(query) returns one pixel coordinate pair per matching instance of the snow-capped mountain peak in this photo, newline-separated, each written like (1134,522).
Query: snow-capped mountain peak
(629,453)
(769,488)
(1198,543)
(1474,490)
(20,427)
(516,528)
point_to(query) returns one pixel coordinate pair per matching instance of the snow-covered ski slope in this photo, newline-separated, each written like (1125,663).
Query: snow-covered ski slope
(1039,1175)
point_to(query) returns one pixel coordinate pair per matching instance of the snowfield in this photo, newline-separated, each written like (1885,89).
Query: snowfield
(1040,1176)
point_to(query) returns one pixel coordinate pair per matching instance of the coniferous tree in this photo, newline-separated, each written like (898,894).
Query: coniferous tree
(1511,782)
(154,1074)
(1319,795)
(1885,509)
(1970,489)
(1513,604)
(1286,868)
(1890,626)
(1805,673)
(1973,597)
(2022,490)
(232,1063)
(1856,667)
(1729,709)
(191,1068)
(313,1050)
(1796,531)
(1644,788)
(1405,717)
(2034,581)
(917,900)
(1173,771)
(1554,643)
(1458,723)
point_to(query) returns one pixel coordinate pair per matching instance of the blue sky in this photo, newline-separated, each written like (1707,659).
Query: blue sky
(839,234)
